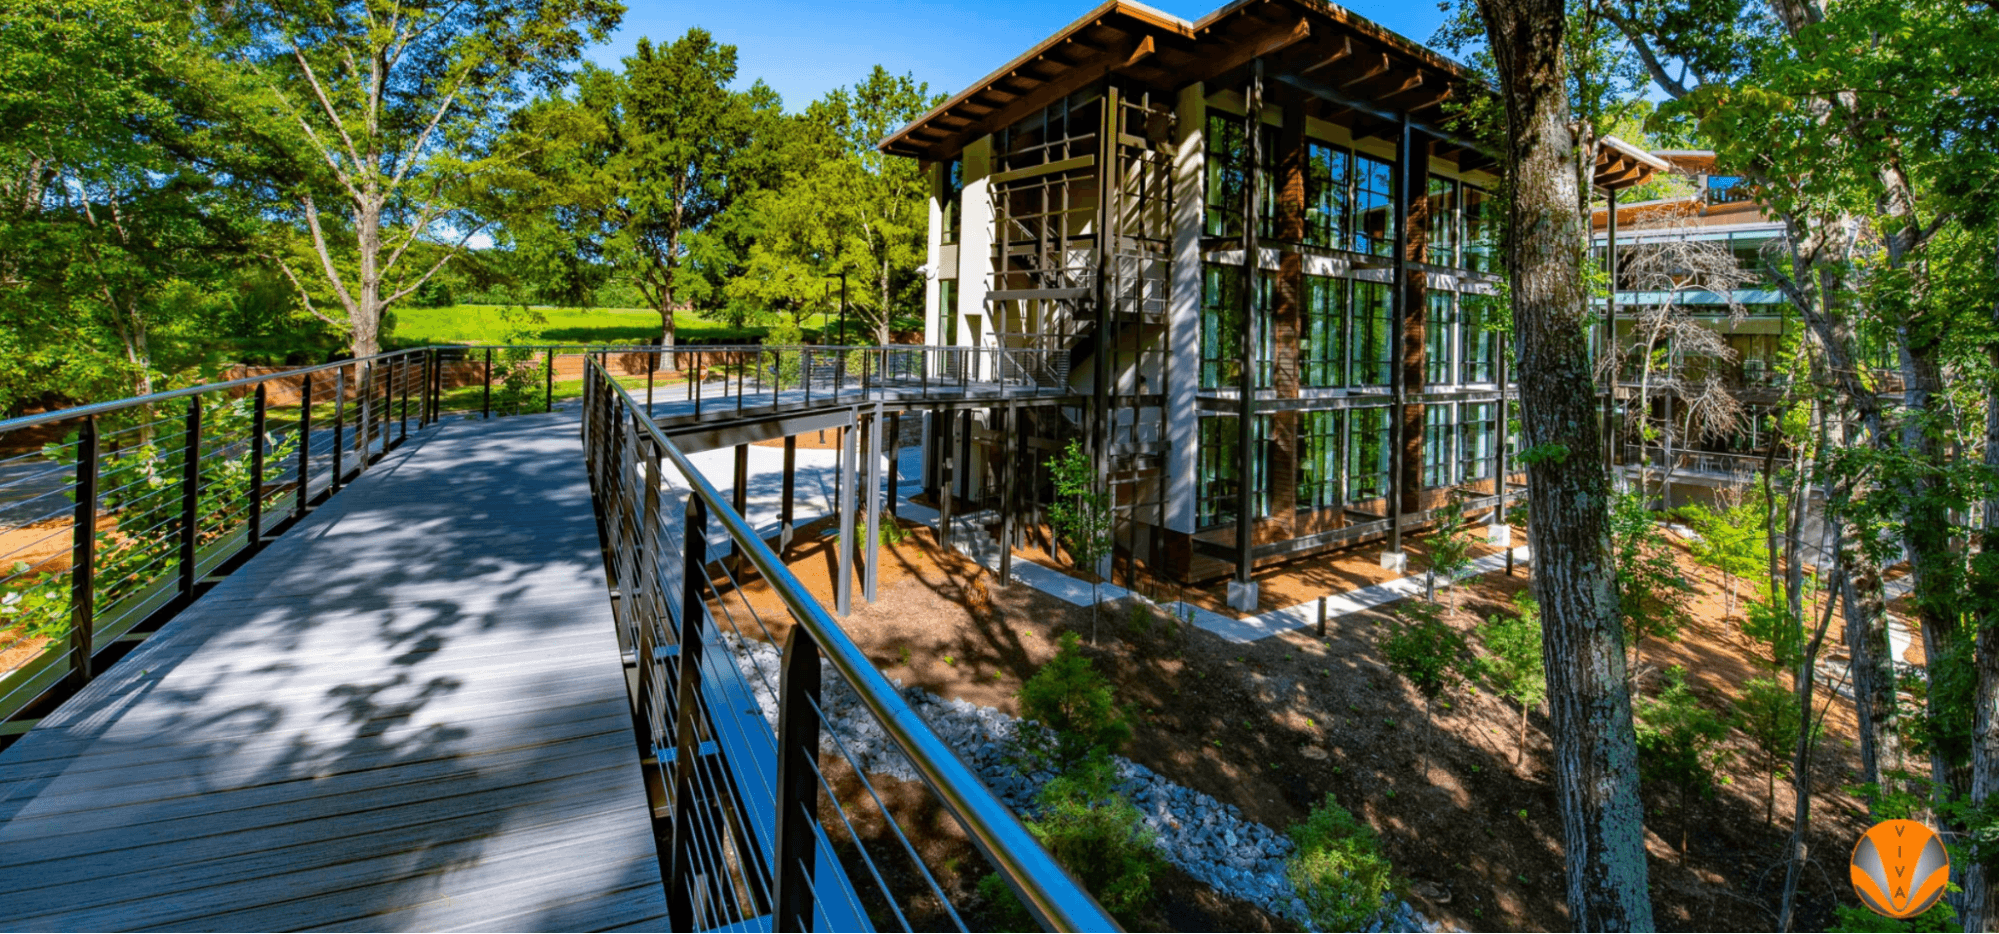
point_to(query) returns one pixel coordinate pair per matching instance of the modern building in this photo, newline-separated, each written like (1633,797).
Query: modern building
(1701,258)
(1258,256)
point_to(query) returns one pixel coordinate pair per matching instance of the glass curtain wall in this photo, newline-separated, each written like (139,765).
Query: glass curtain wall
(1219,492)
(1221,327)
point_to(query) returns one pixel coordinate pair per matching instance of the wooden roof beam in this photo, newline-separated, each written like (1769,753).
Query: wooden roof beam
(1334,56)
(1264,43)
(1371,66)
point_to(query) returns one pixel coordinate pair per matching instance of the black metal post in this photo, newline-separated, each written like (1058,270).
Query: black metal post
(486,391)
(785,526)
(83,553)
(190,496)
(403,384)
(548,381)
(1610,340)
(257,416)
(894,452)
(797,785)
(304,445)
(652,364)
(388,409)
(339,429)
(1399,326)
(680,862)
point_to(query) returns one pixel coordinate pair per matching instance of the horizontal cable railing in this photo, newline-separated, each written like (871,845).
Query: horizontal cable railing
(114,515)
(788,775)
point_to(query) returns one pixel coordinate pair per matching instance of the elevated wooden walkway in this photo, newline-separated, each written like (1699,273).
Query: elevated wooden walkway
(407,713)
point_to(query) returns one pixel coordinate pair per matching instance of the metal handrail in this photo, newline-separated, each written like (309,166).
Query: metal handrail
(1048,892)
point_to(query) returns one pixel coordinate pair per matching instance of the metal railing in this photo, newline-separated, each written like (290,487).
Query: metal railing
(777,810)
(115,516)
(748,377)
(1740,468)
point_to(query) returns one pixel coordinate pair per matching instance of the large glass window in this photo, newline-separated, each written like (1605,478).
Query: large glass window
(1328,195)
(1439,339)
(1320,356)
(1367,454)
(1437,447)
(947,310)
(1374,206)
(1219,494)
(1475,313)
(952,198)
(1475,434)
(1221,327)
(1368,347)
(1227,174)
(1481,231)
(1443,204)
(1318,460)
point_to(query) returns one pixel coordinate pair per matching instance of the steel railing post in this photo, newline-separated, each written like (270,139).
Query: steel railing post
(548,383)
(486,391)
(257,416)
(304,445)
(190,497)
(388,412)
(403,384)
(339,429)
(797,785)
(695,374)
(83,557)
(805,372)
(686,735)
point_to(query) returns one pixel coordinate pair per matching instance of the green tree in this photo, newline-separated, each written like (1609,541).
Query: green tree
(1076,708)
(1680,744)
(1515,668)
(1652,594)
(1731,541)
(373,130)
(1427,652)
(1450,548)
(1770,713)
(1081,517)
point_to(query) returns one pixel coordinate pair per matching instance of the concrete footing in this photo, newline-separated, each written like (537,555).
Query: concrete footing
(1242,596)
(1397,561)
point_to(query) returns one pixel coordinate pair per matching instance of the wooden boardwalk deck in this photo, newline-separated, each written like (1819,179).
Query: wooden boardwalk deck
(407,713)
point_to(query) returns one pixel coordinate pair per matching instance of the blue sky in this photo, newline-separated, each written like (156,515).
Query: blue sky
(806,49)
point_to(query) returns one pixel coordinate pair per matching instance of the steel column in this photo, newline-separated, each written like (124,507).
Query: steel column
(304,447)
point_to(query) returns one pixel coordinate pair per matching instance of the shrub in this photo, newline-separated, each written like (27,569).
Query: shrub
(1770,715)
(1338,869)
(1004,906)
(1098,836)
(1075,706)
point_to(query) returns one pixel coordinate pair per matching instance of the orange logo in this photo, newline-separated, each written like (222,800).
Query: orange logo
(1899,868)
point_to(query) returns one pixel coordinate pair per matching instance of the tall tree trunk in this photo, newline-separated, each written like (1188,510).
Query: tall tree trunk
(1596,756)
(1981,881)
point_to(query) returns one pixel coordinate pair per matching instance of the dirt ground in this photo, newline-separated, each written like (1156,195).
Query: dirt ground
(1276,726)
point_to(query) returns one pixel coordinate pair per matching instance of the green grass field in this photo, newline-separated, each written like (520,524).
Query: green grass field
(483,324)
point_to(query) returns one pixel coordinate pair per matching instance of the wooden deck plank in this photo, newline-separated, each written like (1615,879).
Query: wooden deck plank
(407,713)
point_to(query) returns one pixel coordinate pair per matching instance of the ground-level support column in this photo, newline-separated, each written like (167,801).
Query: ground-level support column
(1009,425)
(941,423)
(961,466)
(894,458)
(843,586)
(875,449)
(1242,587)
(785,526)
(1408,295)
(741,498)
